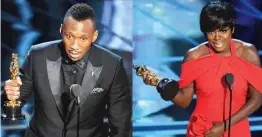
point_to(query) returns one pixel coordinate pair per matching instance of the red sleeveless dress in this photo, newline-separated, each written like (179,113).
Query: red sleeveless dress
(212,103)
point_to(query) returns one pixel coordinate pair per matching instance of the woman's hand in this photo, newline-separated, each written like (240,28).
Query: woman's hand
(149,78)
(217,130)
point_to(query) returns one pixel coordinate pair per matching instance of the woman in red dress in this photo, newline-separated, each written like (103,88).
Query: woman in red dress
(203,71)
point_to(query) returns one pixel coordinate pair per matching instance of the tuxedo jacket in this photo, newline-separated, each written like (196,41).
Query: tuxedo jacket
(104,84)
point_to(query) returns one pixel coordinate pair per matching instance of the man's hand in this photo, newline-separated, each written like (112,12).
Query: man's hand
(217,130)
(12,88)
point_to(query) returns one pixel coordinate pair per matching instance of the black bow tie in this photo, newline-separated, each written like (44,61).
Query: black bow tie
(80,63)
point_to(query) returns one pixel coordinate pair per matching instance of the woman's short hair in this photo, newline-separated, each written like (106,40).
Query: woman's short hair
(217,14)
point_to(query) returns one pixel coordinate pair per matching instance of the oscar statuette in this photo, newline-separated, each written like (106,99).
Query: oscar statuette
(167,88)
(13,107)
(142,69)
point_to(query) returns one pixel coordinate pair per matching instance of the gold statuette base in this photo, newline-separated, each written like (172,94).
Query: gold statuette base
(13,111)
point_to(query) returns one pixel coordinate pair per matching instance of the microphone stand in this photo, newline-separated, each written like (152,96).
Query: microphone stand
(64,129)
(230,108)
(65,126)
(67,118)
(78,114)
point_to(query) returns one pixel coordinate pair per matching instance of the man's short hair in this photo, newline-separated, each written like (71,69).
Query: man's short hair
(81,11)
(217,14)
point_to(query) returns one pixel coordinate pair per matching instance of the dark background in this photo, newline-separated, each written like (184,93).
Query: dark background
(28,22)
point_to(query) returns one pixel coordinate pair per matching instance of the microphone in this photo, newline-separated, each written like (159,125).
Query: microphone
(229,78)
(76,90)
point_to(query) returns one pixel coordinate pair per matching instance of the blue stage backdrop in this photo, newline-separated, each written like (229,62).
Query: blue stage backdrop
(28,22)
(163,31)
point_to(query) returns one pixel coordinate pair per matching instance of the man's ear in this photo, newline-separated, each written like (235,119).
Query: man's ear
(95,36)
(61,29)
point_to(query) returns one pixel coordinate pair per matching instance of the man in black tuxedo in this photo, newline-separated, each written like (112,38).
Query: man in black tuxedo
(52,67)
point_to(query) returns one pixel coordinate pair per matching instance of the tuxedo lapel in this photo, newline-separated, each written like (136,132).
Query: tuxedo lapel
(54,77)
(90,78)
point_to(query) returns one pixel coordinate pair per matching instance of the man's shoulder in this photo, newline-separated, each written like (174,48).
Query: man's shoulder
(105,53)
(46,45)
